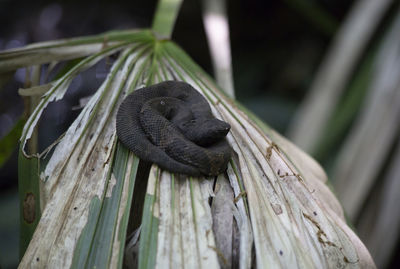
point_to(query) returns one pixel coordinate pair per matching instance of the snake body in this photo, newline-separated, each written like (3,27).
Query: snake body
(171,124)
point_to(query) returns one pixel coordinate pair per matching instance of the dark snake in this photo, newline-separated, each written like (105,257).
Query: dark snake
(171,124)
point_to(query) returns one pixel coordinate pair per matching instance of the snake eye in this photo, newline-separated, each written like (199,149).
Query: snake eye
(162,103)
(192,121)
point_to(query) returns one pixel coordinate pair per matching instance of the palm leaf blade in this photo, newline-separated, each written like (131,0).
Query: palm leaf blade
(281,204)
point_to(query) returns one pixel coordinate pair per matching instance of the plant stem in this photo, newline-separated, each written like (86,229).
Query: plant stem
(165,17)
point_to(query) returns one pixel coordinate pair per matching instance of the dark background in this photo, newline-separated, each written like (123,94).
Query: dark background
(276,49)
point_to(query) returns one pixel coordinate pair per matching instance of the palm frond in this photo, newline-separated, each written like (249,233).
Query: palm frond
(334,73)
(279,201)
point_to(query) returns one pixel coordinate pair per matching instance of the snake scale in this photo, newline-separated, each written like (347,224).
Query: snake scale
(171,124)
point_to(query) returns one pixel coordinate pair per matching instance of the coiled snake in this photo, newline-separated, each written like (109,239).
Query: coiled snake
(171,124)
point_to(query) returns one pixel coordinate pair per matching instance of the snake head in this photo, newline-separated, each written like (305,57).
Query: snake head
(206,131)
